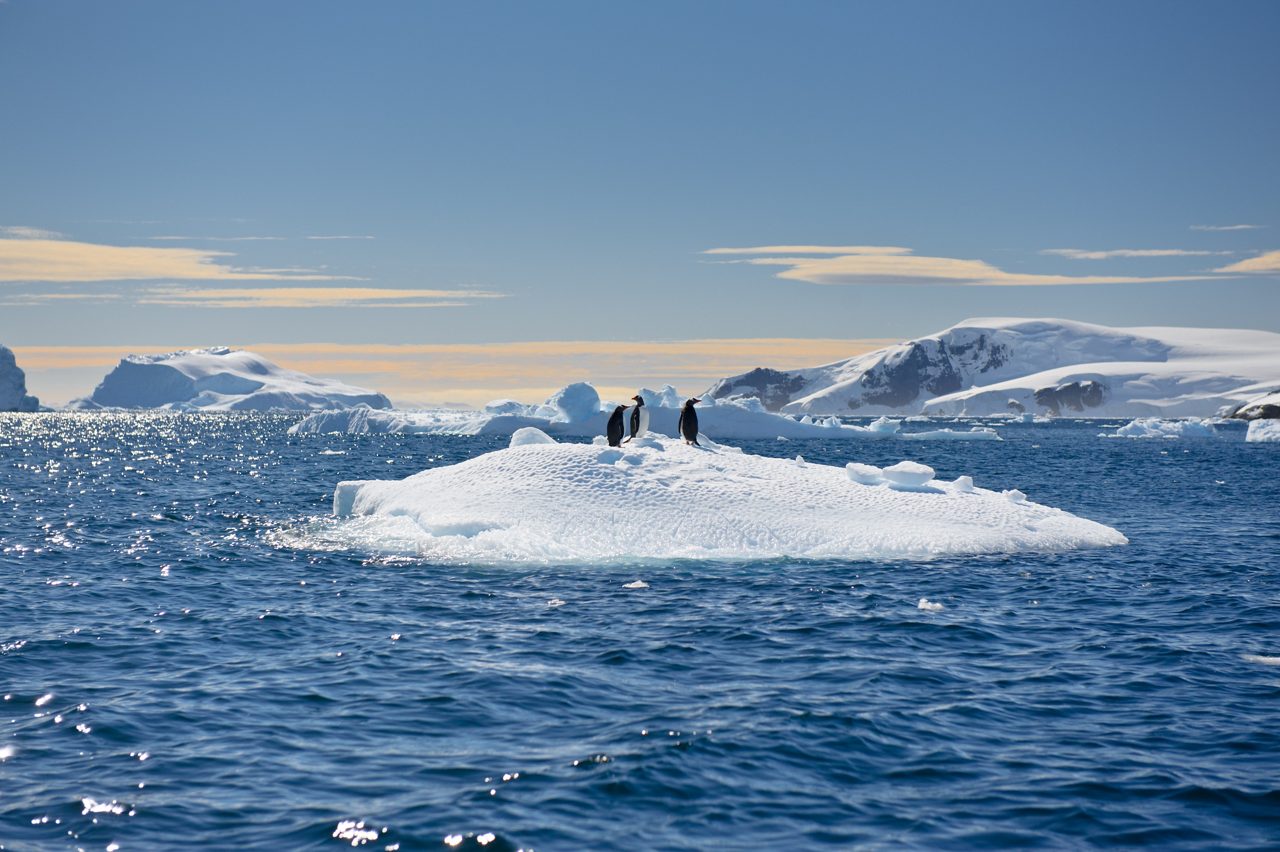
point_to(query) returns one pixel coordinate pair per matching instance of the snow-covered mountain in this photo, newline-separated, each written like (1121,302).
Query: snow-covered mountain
(220,379)
(997,366)
(13,385)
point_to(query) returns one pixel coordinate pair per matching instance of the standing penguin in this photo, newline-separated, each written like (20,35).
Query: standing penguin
(615,430)
(689,422)
(639,418)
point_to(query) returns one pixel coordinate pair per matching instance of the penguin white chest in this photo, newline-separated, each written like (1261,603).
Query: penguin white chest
(639,421)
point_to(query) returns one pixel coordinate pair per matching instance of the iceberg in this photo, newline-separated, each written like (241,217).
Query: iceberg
(221,379)
(1261,431)
(995,366)
(13,385)
(576,411)
(658,498)
(1154,427)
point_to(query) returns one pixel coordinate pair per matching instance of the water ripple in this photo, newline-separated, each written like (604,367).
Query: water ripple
(188,657)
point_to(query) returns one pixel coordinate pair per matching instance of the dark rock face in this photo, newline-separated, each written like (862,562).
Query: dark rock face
(900,378)
(773,387)
(1256,411)
(928,368)
(1075,396)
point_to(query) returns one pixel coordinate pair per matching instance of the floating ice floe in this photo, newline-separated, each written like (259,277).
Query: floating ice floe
(576,411)
(1154,427)
(658,498)
(1261,431)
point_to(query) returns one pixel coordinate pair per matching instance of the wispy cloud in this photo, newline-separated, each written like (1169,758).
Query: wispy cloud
(1267,262)
(901,268)
(1225,227)
(811,250)
(341,237)
(1087,254)
(312,297)
(69,260)
(27,300)
(25,232)
(186,239)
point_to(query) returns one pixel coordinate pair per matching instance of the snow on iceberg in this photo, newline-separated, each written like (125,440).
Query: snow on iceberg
(1154,427)
(576,411)
(1261,431)
(13,385)
(221,379)
(658,498)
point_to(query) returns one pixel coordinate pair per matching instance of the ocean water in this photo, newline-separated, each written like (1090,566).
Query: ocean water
(179,671)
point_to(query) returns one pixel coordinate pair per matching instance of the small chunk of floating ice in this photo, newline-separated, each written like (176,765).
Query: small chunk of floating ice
(963,483)
(555,602)
(1260,659)
(1013,495)
(529,435)
(929,606)
(636,584)
(908,473)
(799,461)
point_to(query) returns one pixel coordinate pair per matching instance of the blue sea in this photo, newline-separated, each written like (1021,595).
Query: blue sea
(179,672)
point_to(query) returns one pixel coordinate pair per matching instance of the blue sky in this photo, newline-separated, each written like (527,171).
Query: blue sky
(557,172)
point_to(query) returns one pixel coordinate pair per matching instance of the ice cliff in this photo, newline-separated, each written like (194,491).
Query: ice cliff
(13,385)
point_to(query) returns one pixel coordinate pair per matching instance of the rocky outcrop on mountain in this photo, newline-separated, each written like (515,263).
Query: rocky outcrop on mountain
(1265,407)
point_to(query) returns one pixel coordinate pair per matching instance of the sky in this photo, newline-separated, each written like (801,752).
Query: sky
(454,202)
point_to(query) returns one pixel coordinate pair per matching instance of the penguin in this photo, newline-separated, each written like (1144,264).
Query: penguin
(639,418)
(689,422)
(615,429)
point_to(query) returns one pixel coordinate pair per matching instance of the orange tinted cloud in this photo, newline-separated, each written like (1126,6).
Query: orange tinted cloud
(69,260)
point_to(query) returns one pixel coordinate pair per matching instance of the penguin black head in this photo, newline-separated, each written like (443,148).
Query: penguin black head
(639,399)
(692,401)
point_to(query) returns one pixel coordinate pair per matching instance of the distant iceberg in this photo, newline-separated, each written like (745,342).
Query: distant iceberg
(1154,427)
(658,498)
(576,411)
(221,379)
(13,385)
